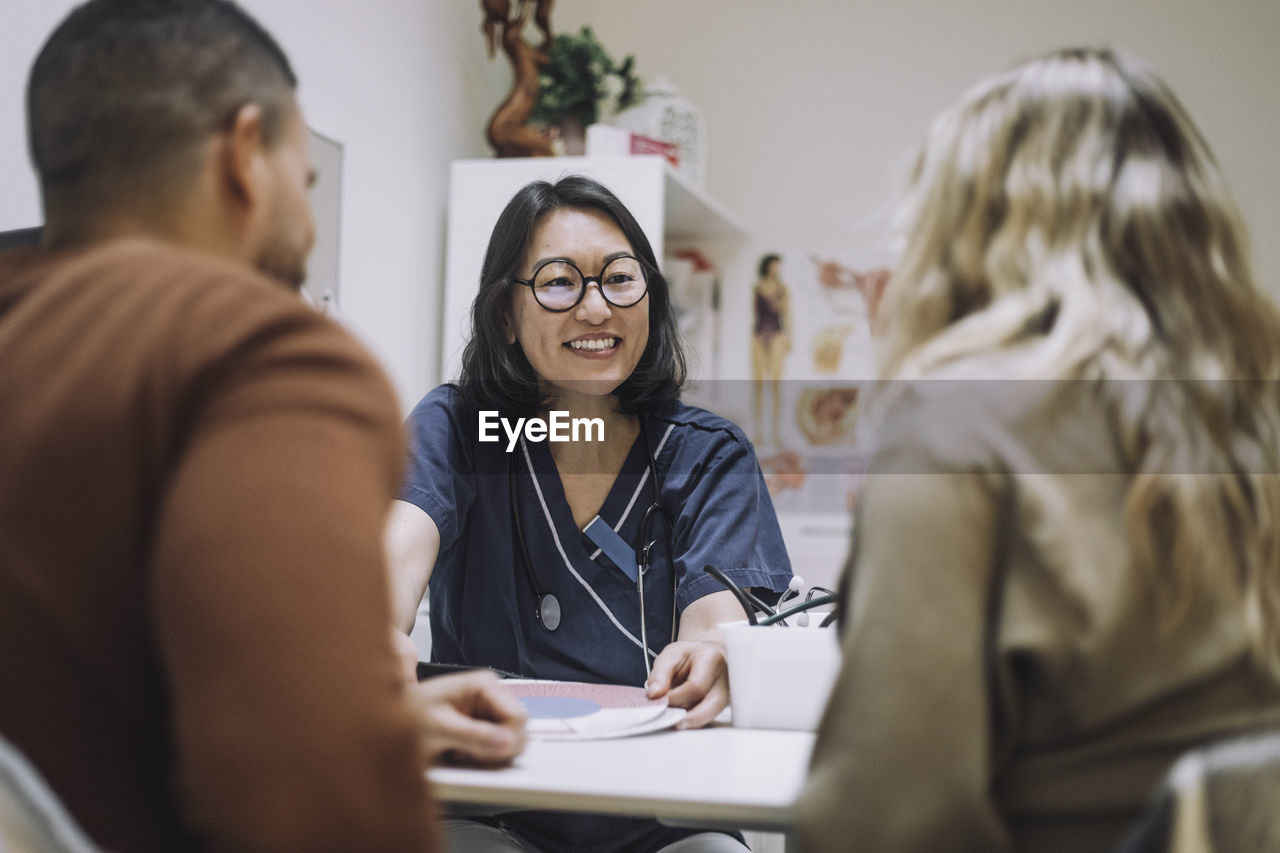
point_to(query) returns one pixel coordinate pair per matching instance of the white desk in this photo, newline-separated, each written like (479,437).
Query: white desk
(715,777)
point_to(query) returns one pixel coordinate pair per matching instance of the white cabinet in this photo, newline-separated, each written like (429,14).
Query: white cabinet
(672,212)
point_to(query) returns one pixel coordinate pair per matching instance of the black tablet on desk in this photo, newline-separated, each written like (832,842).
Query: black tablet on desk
(431,670)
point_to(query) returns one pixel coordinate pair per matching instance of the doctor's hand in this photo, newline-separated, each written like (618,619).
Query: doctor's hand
(469,718)
(693,675)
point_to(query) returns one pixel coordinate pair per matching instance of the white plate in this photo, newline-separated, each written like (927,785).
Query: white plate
(668,718)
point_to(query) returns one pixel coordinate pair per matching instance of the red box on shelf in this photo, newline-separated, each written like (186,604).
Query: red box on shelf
(647,145)
(608,140)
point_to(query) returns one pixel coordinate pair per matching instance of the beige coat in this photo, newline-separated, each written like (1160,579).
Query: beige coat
(1006,685)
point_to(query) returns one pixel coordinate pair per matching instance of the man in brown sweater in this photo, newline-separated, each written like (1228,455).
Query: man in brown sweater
(195,469)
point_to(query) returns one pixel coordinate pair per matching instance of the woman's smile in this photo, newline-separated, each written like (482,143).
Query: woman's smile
(594,346)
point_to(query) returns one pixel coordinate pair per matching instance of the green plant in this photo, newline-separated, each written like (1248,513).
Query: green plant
(581,77)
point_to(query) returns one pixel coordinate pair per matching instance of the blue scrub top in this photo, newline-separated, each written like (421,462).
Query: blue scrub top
(483,608)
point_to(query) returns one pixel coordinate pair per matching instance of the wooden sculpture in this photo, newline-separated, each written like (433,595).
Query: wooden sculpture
(510,134)
(496,13)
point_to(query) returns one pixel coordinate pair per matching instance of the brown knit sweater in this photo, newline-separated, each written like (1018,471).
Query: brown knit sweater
(194,617)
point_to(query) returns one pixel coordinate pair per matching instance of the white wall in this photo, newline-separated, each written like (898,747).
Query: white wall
(404,86)
(26,24)
(814,107)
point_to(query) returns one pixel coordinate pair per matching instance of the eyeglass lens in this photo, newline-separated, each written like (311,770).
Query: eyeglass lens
(559,285)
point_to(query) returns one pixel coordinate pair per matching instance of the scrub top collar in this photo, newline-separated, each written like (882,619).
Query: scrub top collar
(550,514)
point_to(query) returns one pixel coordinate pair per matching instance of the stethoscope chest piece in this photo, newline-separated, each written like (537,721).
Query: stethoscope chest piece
(549,611)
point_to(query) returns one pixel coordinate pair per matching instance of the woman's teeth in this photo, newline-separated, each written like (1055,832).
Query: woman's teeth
(595,344)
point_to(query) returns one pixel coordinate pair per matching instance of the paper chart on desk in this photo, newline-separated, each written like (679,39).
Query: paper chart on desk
(570,710)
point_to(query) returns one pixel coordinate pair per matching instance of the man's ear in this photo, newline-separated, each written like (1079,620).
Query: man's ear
(243,160)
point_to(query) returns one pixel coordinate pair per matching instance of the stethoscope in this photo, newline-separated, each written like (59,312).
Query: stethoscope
(548,610)
(778,614)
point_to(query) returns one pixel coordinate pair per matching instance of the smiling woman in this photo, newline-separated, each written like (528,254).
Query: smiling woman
(573,321)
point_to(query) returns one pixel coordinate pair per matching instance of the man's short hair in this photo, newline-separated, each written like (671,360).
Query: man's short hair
(124,91)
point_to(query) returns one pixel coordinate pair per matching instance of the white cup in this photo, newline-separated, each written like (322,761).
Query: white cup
(779,678)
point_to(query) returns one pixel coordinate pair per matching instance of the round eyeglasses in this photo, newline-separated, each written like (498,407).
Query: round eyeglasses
(558,285)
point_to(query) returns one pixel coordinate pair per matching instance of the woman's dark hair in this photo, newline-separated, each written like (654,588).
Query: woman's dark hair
(764,263)
(496,375)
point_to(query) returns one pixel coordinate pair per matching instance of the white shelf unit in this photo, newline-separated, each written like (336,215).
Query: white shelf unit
(671,211)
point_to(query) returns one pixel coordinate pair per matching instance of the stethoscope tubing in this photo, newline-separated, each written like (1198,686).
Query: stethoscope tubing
(809,604)
(750,603)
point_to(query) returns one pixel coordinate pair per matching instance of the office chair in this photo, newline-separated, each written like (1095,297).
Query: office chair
(1222,798)
(32,820)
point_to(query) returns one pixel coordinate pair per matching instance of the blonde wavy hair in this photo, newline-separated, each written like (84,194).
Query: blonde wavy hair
(1067,221)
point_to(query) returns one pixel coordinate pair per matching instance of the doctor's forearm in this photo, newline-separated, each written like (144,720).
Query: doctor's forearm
(700,621)
(412,543)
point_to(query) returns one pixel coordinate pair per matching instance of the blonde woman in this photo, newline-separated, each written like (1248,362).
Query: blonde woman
(1086,580)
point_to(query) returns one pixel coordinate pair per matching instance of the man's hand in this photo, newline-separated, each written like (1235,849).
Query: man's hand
(469,718)
(692,675)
